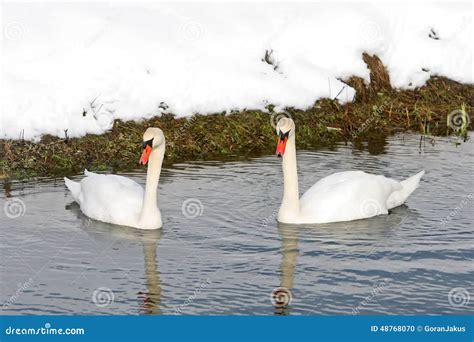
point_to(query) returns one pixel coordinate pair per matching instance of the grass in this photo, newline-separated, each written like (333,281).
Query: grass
(378,111)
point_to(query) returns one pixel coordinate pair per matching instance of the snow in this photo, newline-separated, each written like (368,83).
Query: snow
(80,66)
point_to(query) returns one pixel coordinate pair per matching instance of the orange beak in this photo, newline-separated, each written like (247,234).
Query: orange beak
(282,139)
(145,155)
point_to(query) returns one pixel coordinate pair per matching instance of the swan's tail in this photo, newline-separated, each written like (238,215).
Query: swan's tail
(408,186)
(87,173)
(75,189)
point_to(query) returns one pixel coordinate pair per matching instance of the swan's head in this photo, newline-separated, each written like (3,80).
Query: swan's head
(285,128)
(152,138)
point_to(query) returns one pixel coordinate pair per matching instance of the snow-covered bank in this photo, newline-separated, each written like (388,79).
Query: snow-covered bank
(79,66)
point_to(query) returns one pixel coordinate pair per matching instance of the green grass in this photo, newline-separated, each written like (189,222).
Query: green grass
(376,113)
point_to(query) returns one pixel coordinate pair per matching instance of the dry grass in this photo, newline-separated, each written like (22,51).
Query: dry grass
(377,111)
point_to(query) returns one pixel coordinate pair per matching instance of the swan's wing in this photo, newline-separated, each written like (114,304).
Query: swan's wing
(346,196)
(111,198)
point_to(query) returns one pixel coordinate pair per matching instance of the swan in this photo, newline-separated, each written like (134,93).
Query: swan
(120,200)
(342,196)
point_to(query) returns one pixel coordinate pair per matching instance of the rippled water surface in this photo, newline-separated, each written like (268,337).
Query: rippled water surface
(232,254)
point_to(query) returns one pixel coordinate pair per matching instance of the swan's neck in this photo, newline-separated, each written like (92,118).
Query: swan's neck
(290,204)
(150,206)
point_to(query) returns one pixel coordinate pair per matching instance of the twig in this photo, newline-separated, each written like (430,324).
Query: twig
(340,91)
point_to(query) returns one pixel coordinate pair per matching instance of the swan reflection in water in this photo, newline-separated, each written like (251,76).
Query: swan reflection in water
(360,236)
(151,299)
(289,235)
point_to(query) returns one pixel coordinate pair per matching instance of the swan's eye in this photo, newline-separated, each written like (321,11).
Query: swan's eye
(148,143)
(284,136)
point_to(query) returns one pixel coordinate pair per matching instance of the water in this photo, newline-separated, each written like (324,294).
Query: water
(230,257)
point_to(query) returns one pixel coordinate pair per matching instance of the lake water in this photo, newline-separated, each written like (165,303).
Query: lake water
(224,253)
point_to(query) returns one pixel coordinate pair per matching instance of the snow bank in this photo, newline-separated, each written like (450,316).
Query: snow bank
(79,66)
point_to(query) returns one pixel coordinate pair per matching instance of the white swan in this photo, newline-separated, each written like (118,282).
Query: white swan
(342,196)
(120,200)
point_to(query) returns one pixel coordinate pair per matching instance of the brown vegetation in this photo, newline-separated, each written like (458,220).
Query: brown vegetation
(377,110)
